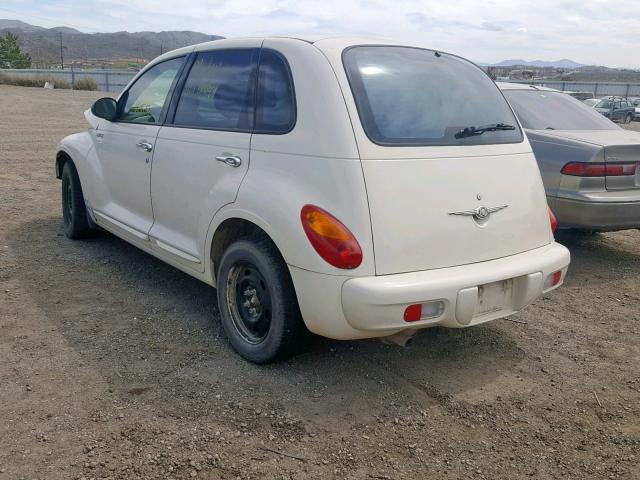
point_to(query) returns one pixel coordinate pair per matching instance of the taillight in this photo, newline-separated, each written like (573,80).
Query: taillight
(330,238)
(553,220)
(579,169)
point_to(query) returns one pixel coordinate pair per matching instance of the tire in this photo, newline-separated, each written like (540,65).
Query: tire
(258,305)
(74,211)
(627,119)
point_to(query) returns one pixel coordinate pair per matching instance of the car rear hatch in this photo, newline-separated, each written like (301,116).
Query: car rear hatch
(421,210)
(450,178)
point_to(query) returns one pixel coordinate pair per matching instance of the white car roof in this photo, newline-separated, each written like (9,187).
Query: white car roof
(523,86)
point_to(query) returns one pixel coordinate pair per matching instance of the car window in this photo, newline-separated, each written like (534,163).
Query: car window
(275,107)
(604,104)
(413,96)
(218,92)
(144,101)
(540,110)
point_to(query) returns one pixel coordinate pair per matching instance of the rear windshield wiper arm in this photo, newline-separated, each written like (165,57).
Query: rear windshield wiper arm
(471,131)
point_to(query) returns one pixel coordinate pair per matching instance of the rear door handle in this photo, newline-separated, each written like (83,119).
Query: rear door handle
(146,146)
(231,160)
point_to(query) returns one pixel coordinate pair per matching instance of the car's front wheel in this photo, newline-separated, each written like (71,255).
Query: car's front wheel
(627,119)
(74,211)
(257,302)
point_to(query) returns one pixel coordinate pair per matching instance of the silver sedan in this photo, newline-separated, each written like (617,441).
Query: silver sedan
(589,165)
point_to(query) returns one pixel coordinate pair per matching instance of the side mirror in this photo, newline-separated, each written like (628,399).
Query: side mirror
(106,108)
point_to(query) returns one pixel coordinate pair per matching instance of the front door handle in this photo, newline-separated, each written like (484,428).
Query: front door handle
(231,160)
(146,146)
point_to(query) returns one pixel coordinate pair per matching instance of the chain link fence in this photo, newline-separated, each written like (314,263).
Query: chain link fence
(107,80)
(598,89)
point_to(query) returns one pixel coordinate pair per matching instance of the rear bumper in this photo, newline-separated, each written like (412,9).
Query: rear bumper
(349,308)
(602,216)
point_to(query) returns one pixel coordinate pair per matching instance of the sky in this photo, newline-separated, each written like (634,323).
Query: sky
(600,32)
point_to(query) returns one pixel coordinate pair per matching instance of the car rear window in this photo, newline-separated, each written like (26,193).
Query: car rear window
(414,96)
(546,110)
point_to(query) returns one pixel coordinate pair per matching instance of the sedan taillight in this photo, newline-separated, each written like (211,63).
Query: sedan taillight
(579,169)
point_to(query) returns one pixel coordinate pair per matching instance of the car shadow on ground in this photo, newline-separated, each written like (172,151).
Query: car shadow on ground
(600,257)
(148,328)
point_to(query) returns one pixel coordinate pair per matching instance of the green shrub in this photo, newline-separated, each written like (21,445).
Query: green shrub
(87,83)
(38,82)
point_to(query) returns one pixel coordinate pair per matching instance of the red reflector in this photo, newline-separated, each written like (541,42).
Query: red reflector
(413,313)
(557,276)
(578,169)
(553,220)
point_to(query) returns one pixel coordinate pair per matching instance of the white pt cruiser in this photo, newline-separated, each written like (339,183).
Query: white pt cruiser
(343,186)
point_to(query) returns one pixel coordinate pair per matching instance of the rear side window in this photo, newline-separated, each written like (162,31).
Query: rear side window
(275,108)
(413,96)
(218,92)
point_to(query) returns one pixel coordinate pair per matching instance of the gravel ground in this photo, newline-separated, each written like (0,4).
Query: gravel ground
(113,364)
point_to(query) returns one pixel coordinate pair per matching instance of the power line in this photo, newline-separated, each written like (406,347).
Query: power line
(61,54)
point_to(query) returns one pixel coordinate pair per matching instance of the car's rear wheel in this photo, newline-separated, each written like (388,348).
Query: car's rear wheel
(74,211)
(257,302)
(627,119)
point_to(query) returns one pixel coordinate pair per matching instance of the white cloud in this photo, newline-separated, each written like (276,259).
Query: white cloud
(588,31)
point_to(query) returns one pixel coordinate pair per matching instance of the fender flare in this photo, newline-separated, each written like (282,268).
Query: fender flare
(234,211)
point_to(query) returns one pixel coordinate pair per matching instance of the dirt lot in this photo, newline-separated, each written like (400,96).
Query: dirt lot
(113,365)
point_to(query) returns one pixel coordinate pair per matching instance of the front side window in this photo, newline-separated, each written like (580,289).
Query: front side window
(275,108)
(144,101)
(545,110)
(218,92)
(412,96)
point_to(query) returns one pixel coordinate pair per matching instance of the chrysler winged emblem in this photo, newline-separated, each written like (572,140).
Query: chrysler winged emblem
(480,213)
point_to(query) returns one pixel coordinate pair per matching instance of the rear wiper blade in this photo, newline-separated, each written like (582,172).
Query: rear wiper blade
(471,131)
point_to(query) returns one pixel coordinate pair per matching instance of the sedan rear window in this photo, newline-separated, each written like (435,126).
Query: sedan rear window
(547,110)
(413,96)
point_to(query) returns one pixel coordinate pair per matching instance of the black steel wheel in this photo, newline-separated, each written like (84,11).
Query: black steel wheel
(249,302)
(74,211)
(258,304)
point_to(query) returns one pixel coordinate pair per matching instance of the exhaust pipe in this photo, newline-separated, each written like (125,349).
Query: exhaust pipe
(403,338)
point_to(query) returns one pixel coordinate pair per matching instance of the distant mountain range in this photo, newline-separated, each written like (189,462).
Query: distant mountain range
(43,44)
(563,63)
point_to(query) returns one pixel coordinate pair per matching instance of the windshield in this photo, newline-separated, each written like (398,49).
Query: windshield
(604,104)
(412,96)
(540,110)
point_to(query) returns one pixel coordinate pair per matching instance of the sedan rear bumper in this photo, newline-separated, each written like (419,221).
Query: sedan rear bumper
(600,216)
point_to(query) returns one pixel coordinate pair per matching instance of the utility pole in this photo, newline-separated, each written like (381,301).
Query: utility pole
(61,54)
(161,47)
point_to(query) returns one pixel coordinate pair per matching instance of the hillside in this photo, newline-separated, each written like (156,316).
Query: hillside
(564,63)
(96,49)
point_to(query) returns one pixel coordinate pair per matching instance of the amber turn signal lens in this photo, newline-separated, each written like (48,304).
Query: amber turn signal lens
(330,238)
